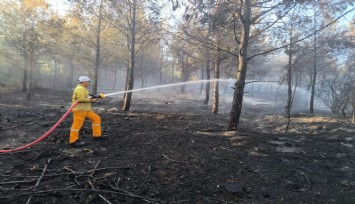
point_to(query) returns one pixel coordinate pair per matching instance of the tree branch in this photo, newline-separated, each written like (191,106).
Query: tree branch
(39,180)
(307,36)
(273,23)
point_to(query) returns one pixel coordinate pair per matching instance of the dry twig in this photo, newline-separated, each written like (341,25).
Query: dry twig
(145,179)
(39,180)
(88,181)
(118,192)
(101,196)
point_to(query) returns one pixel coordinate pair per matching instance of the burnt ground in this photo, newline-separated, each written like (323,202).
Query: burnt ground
(172,150)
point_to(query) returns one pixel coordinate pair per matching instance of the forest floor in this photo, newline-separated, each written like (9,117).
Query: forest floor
(172,150)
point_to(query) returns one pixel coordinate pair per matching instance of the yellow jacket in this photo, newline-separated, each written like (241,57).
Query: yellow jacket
(80,94)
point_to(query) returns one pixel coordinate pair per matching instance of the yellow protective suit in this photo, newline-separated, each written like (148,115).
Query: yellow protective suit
(80,112)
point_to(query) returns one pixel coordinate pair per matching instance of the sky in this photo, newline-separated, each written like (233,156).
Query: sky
(61,7)
(58,5)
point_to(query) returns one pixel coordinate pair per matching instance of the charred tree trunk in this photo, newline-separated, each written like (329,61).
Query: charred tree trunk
(289,80)
(25,67)
(126,85)
(314,77)
(161,69)
(216,77)
(242,69)
(208,77)
(25,73)
(142,73)
(115,79)
(343,113)
(202,77)
(185,78)
(98,49)
(30,79)
(126,82)
(128,96)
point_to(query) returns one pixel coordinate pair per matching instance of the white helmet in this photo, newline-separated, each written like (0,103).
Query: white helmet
(84,79)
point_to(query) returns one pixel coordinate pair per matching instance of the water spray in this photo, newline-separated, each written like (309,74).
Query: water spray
(101,96)
(167,86)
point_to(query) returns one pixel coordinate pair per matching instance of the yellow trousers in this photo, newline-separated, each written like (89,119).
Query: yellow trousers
(78,121)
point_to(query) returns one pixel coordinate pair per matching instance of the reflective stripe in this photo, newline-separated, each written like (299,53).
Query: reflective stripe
(74,130)
(96,124)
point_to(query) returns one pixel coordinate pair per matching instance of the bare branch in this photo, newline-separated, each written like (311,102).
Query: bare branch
(273,23)
(307,36)
(39,180)
(264,12)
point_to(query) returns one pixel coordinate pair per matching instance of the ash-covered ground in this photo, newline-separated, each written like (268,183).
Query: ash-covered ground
(170,149)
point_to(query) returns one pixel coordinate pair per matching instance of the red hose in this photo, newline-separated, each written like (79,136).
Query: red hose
(45,135)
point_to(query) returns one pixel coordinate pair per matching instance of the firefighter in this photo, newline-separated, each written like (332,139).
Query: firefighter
(83,110)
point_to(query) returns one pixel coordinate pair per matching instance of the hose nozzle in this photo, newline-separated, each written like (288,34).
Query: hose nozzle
(101,95)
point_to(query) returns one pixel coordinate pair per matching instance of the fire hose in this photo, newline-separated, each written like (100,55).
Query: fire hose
(96,96)
(52,129)
(45,135)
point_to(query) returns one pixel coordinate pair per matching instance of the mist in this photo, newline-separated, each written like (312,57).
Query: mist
(172,101)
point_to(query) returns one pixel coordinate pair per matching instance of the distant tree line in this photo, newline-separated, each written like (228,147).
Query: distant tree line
(130,44)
